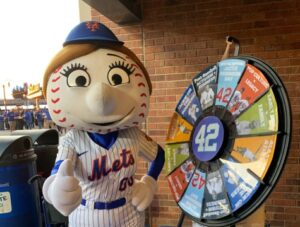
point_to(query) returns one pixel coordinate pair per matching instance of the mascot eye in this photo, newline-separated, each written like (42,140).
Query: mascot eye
(117,76)
(77,75)
(78,78)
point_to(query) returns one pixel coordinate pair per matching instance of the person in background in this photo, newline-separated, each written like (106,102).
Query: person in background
(19,119)
(47,119)
(1,121)
(28,119)
(32,117)
(6,124)
(11,120)
(39,118)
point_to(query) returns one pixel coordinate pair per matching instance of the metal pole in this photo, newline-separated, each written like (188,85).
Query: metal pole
(4,97)
(180,222)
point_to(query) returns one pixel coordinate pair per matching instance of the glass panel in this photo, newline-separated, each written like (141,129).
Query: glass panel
(179,131)
(261,117)
(230,71)
(191,201)
(216,203)
(240,185)
(255,152)
(175,154)
(189,106)
(205,86)
(179,178)
(252,85)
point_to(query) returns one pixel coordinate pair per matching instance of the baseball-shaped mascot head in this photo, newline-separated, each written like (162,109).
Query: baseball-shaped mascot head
(95,83)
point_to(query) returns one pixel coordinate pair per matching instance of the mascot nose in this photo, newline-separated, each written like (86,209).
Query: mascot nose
(100,99)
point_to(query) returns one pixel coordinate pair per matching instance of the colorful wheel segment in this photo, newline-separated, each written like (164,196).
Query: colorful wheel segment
(228,141)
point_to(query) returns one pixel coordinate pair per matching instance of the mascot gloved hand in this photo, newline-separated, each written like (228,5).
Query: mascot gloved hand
(63,190)
(143,192)
(100,91)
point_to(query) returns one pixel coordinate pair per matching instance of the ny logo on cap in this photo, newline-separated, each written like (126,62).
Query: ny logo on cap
(93,26)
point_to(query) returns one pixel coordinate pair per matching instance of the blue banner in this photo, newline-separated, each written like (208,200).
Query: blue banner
(230,71)
(188,106)
(191,202)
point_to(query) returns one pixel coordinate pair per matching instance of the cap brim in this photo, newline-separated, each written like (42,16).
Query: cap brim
(92,40)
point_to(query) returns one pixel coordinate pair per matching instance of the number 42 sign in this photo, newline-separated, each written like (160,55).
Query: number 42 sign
(208,138)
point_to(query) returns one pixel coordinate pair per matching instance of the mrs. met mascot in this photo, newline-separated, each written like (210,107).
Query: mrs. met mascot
(100,90)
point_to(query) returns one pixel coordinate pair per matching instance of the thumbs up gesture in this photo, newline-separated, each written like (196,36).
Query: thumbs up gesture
(62,190)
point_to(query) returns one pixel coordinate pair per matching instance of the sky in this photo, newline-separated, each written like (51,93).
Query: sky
(32,32)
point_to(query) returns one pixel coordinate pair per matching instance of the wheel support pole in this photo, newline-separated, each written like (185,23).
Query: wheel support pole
(180,220)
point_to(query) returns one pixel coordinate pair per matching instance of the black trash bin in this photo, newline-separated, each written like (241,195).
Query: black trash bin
(19,200)
(45,142)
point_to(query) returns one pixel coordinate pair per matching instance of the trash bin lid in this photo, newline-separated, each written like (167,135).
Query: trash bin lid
(40,136)
(14,148)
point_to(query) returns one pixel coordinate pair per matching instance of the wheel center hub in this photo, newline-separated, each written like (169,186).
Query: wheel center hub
(208,138)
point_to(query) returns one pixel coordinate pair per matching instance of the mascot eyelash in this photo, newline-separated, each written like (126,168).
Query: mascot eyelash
(128,69)
(72,68)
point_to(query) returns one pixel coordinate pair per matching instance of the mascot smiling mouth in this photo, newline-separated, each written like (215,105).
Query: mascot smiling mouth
(113,122)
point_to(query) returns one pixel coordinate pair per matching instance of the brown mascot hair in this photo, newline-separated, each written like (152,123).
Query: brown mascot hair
(72,51)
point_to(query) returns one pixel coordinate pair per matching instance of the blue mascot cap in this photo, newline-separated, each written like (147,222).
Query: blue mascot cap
(91,31)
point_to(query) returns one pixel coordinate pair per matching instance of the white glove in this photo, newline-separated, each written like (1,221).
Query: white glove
(143,192)
(62,190)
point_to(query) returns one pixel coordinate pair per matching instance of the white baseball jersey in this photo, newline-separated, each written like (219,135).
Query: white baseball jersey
(106,175)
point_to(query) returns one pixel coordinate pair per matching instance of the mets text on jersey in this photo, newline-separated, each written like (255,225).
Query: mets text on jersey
(100,169)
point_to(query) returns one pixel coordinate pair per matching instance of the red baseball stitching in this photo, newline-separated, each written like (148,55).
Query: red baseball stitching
(56,79)
(56,111)
(55,100)
(54,90)
(58,68)
(62,120)
(138,74)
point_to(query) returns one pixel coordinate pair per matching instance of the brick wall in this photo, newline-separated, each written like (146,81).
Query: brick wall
(179,38)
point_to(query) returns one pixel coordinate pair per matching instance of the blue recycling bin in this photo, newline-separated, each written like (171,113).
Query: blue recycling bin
(45,142)
(19,199)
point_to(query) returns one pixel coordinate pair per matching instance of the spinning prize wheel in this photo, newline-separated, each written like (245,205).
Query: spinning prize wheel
(228,141)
